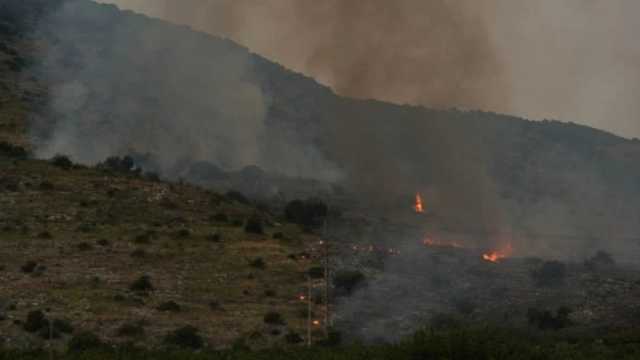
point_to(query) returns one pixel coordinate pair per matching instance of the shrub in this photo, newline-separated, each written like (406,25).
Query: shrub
(600,260)
(84,246)
(214,305)
(274,318)
(550,273)
(118,164)
(145,238)
(215,237)
(142,284)
(138,253)
(29,267)
(46,186)
(13,151)
(464,305)
(221,217)
(348,280)
(62,162)
(35,321)
(316,272)
(85,341)
(169,306)
(258,263)
(152,176)
(546,320)
(184,337)
(308,213)
(293,337)
(237,196)
(130,330)
(254,225)
(48,333)
(45,235)
(183,233)
(103,242)
(63,326)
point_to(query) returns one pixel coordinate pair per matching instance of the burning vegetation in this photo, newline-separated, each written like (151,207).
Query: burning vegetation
(418,207)
(497,255)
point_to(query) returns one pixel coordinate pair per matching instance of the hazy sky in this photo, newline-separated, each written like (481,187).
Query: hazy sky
(573,60)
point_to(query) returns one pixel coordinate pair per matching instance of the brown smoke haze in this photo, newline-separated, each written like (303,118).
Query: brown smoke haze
(574,60)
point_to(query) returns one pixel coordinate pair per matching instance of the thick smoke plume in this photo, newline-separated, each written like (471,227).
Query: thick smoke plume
(572,60)
(122,84)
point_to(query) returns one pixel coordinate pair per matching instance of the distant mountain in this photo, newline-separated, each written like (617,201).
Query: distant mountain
(97,81)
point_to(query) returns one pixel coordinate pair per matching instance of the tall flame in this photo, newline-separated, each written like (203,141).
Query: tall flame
(497,255)
(418,206)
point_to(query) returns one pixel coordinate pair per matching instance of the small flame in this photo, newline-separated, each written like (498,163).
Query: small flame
(497,255)
(302,297)
(418,206)
(316,322)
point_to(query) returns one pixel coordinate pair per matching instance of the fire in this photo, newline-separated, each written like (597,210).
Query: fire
(497,255)
(316,322)
(418,206)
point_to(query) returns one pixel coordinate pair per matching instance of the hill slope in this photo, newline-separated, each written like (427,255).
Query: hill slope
(98,82)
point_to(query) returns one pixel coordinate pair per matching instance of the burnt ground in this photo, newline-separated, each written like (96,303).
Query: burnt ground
(410,285)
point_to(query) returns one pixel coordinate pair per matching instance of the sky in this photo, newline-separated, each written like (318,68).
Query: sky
(571,60)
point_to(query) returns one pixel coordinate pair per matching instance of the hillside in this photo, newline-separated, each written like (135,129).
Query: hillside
(201,115)
(95,82)
(85,235)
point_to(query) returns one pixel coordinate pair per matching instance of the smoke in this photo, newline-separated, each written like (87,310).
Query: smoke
(431,52)
(571,60)
(121,84)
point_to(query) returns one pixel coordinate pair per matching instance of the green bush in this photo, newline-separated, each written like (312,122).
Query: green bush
(29,267)
(169,306)
(546,320)
(600,260)
(293,337)
(139,253)
(220,217)
(346,281)
(550,273)
(36,320)
(142,284)
(13,151)
(62,162)
(85,341)
(130,330)
(274,318)
(309,213)
(254,225)
(184,337)
(258,263)
(237,196)
(316,272)
(119,164)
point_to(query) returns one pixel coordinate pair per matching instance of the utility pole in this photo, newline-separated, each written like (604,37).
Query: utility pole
(325,243)
(309,311)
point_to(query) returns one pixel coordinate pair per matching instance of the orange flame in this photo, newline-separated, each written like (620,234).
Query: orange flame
(497,255)
(418,206)
(316,322)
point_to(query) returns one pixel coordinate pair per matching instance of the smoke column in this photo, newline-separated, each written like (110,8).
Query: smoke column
(573,60)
